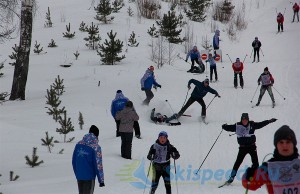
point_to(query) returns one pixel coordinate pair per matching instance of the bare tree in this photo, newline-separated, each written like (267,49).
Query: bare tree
(7,14)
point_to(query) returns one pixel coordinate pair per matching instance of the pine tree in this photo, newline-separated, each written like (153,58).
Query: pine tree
(168,27)
(117,5)
(132,41)
(68,34)
(52,44)
(66,126)
(3,95)
(80,120)
(48,19)
(197,10)
(103,10)
(76,54)
(109,50)
(34,160)
(48,142)
(15,55)
(94,37)
(82,27)
(153,32)
(130,12)
(11,176)
(54,102)
(1,67)
(206,44)
(58,86)
(37,48)
(227,9)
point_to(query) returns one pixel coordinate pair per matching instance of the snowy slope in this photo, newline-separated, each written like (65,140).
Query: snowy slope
(24,123)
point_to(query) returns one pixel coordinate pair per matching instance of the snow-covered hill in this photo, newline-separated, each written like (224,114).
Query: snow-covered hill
(24,123)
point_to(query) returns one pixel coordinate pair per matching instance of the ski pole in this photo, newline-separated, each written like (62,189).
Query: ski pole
(254,93)
(245,58)
(279,93)
(182,59)
(229,58)
(185,97)
(147,176)
(172,109)
(176,176)
(262,52)
(206,68)
(210,102)
(284,11)
(251,53)
(209,152)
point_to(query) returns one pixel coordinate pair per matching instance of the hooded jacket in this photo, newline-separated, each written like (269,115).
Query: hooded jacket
(127,116)
(148,80)
(216,39)
(118,103)
(200,90)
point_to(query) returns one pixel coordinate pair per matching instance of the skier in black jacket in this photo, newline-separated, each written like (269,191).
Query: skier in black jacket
(160,154)
(246,139)
(256,44)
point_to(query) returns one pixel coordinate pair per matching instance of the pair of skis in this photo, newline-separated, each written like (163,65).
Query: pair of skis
(203,119)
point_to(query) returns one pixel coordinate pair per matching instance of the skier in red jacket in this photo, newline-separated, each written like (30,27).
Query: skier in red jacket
(238,67)
(296,11)
(280,20)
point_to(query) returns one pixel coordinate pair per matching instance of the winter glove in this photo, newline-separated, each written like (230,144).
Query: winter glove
(101,185)
(217,95)
(150,156)
(159,86)
(186,60)
(224,126)
(175,155)
(143,89)
(249,173)
(272,120)
(258,83)
(189,87)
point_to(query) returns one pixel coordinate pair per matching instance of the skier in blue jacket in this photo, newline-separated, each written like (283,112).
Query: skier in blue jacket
(216,40)
(213,66)
(195,56)
(200,90)
(87,162)
(146,84)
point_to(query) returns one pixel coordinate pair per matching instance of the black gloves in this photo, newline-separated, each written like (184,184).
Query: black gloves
(258,82)
(159,86)
(143,89)
(175,155)
(217,95)
(272,120)
(101,185)
(186,60)
(151,154)
(224,126)
(249,173)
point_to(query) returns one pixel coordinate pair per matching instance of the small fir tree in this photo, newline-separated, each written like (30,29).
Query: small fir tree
(52,44)
(58,86)
(48,19)
(82,27)
(68,34)
(48,142)
(76,54)
(103,10)
(130,12)
(66,126)
(15,55)
(1,67)
(206,44)
(3,95)
(80,121)
(11,176)
(110,49)
(54,102)
(117,5)
(34,159)
(93,37)
(37,48)
(132,41)
(153,32)
(197,10)
(168,27)
(227,10)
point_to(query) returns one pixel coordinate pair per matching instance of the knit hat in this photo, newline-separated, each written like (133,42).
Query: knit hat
(245,116)
(94,130)
(206,81)
(285,132)
(129,104)
(119,91)
(237,59)
(151,68)
(266,69)
(256,38)
(163,133)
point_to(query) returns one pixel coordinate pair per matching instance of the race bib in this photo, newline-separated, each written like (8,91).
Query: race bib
(160,153)
(242,131)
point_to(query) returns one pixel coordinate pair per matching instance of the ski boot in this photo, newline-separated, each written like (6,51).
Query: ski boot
(257,104)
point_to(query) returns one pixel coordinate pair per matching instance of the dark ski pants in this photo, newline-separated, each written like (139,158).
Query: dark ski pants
(296,13)
(215,50)
(280,25)
(262,92)
(256,52)
(212,70)
(126,144)
(136,127)
(159,170)
(190,101)
(86,186)
(241,79)
(243,151)
(149,96)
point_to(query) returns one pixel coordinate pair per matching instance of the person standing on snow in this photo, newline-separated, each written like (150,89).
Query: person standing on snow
(216,41)
(267,82)
(146,84)
(281,173)
(117,105)
(296,11)
(247,141)
(213,66)
(280,20)
(238,67)
(160,154)
(195,56)
(87,162)
(256,44)
(200,90)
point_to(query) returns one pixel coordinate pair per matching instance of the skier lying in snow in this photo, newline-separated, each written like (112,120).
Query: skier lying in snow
(159,118)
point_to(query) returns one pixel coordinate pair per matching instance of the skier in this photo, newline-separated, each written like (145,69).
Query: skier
(87,162)
(195,56)
(296,11)
(146,83)
(159,118)
(216,41)
(127,116)
(246,139)
(267,82)
(280,20)
(160,154)
(256,44)
(200,90)
(238,67)
(117,105)
(281,173)
(213,66)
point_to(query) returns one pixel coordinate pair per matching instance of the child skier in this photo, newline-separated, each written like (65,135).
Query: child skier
(238,67)
(147,81)
(256,44)
(296,11)
(159,118)
(213,66)
(280,20)
(160,154)
(267,82)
